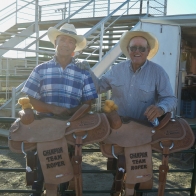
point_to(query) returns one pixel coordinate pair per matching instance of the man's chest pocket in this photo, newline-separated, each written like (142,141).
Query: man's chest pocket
(117,89)
(146,93)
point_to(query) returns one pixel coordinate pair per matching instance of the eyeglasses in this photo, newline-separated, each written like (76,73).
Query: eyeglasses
(140,48)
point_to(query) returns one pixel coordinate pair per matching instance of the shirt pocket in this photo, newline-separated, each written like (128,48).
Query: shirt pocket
(146,93)
(117,89)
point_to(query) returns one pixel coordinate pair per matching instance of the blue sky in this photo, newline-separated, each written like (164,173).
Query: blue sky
(175,7)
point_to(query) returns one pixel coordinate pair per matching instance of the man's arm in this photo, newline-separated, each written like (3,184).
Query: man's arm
(51,108)
(167,102)
(47,108)
(101,84)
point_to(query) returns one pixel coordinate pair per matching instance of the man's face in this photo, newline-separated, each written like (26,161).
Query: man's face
(65,45)
(138,50)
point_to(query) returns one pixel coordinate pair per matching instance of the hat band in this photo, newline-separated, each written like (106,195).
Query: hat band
(68,32)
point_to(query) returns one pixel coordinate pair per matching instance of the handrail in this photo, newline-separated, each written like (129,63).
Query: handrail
(60,23)
(6,33)
(27,2)
(27,50)
(17,89)
(8,7)
(16,10)
(53,4)
(104,20)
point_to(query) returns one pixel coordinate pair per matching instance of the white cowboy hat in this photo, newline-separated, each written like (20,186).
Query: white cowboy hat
(127,36)
(69,30)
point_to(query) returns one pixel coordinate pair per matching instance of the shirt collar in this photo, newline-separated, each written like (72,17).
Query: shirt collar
(73,61)
(144,65)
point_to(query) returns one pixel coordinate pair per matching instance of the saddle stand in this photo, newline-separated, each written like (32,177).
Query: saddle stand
(51,137)
(132,146)
(129,141)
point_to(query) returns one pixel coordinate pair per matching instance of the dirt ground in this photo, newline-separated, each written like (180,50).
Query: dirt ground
(93,161)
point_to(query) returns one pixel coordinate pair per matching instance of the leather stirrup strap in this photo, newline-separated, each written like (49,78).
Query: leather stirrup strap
(120,173)
(31,164)
(163,169)
(80,112)
(51,189)
(76,162)
(111,164)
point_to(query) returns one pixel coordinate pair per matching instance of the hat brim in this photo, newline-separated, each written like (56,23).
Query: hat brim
(80,39)
(152,41)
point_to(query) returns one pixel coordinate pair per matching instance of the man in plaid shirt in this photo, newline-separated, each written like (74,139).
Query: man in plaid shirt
(59,87)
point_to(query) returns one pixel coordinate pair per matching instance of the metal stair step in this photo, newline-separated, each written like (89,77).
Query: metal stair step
(4,133)
(118,28)
(45,44)
(14,31)
(105,38)
(18,77)
(3,37)
(9,108)
(113,33)
(104,44)
(23,25)
(43,59)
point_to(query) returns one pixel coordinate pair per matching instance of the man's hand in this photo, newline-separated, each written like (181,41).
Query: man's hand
(153,112)
(83,65)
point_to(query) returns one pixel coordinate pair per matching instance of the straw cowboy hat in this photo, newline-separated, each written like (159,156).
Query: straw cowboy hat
(69,30)
(127,36)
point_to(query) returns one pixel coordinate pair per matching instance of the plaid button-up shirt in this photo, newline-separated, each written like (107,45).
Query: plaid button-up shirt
(52,84)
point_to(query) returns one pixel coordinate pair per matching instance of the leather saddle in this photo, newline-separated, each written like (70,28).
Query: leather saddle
(50,136)
(132,144)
